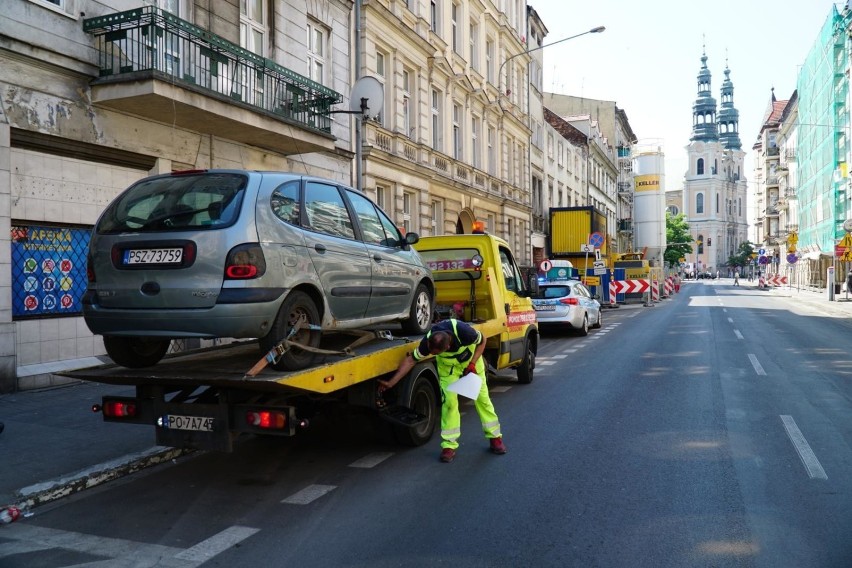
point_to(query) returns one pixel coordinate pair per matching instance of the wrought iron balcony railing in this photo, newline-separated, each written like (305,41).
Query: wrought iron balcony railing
(148,42)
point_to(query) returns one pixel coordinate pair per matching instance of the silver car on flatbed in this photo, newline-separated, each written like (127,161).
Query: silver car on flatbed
(247,254)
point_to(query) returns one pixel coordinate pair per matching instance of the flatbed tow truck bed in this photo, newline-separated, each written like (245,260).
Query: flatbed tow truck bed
(227,365)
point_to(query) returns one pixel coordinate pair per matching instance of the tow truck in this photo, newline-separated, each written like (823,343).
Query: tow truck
(206,399)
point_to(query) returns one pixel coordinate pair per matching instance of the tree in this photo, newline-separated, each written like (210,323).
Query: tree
(677,239)
(743,256)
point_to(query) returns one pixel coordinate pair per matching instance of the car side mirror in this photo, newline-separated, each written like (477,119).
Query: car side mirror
(409,239)
(532,285)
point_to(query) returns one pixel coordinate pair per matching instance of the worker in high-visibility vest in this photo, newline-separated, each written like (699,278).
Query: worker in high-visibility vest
(457,348)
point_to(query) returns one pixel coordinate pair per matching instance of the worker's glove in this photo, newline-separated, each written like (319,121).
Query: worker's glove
(471,368)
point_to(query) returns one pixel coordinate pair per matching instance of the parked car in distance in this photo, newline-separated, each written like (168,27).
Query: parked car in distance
(247,254)
(567,304)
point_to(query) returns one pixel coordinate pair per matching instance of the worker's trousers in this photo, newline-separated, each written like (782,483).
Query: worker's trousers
(451,419)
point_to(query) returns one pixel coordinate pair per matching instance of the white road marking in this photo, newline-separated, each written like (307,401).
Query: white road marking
(216,544)
(558,356)
(545,363)
(371,460)
(570,351)
(499,389)
(309,494)
(756,364)
(731,320)
(809,459)
(738,334)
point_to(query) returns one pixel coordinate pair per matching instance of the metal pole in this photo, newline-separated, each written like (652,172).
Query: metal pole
(359,143)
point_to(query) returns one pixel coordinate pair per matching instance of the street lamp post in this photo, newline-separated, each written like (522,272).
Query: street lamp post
(595,30)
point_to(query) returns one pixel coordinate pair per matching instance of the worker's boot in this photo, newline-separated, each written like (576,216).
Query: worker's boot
(447,455)
(497,446)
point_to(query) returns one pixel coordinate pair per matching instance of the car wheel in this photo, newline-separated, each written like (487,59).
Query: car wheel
(527,366)
(423,400)
(599,321)
(296,306)
(584,328)
(136,352)
(420,314)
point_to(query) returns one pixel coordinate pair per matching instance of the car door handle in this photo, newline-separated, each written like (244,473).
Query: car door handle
(377,258)
(320,248)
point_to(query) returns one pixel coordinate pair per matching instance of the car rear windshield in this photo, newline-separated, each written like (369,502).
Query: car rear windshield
(178,202)
(545,292)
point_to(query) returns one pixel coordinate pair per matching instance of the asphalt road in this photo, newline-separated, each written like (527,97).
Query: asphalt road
(711,430)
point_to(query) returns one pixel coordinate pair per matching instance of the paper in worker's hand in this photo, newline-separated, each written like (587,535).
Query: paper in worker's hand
(467,386)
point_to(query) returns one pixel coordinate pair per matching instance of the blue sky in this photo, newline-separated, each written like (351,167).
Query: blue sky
(649,56)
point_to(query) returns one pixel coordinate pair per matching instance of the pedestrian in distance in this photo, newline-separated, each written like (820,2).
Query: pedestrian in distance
(457,348)
(736,278)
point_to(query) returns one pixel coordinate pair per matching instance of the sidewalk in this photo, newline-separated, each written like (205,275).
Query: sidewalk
(54,445)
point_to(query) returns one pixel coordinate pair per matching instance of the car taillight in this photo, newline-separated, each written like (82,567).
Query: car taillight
(90,268)
(569,301)
(245,262)
(266,420)
(119,409)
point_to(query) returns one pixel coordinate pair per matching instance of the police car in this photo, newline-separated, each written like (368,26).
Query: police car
(566,304)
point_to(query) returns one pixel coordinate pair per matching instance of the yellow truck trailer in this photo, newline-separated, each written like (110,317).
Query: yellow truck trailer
(206,399)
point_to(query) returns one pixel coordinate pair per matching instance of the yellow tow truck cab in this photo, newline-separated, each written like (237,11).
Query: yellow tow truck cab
(478,281)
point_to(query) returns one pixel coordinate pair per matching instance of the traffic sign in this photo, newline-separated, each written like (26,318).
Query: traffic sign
(587,248)
(792,258)
(545,265)
(599,264)
(596,239)
(846,241)
(592,280)
(761,252)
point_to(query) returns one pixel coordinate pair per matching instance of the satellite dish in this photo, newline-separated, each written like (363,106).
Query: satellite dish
(367,97)
(847,225)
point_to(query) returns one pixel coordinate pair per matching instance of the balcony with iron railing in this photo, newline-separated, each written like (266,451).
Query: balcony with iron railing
(625,225)
(155,65)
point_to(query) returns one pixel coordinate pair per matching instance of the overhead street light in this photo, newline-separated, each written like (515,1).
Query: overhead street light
(595,30)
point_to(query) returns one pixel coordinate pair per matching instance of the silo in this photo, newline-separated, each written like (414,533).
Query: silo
(649,199)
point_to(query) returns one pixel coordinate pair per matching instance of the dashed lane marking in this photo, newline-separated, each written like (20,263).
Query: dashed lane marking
(738,334)
(499,389)
(758,368)
(371,460)
(809,459)
(309,494)
(216,544)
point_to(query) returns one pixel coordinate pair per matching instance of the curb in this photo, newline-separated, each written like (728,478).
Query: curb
(47,491)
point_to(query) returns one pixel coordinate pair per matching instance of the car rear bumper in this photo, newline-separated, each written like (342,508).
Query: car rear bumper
(220,320)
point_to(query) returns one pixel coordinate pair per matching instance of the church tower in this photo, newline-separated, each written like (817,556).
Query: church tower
(714,190)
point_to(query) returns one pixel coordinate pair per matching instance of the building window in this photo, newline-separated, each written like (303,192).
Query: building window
(455,14)
(474,46)
(699,203)
(491,225)
(717,203)
(409,204)
(699,167)
(437,138)
(435,16)
(317,35)
(492,151)
(252,26)
(474,142)
(381,76)
(458,116)
(382,197)
(437,217)
(407,126)
(489,60)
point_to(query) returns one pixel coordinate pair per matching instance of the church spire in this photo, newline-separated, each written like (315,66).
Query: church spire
(729,116)
(704,107)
